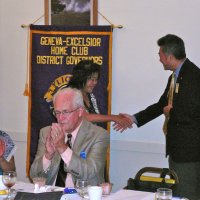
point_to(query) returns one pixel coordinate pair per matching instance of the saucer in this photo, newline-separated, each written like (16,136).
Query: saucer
(57,189)
(74,196)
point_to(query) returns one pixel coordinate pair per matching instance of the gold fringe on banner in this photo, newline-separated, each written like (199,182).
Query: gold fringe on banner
(26,90)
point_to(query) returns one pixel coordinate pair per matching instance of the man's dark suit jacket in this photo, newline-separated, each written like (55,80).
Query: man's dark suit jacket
(183,130)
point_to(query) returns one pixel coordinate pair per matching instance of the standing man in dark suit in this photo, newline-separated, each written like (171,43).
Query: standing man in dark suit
(183,115)
(83,157)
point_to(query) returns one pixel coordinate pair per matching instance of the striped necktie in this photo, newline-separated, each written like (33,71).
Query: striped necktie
(170,101)
(62,174)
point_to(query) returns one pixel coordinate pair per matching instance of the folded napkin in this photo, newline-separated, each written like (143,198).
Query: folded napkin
(38,196)
(38,189)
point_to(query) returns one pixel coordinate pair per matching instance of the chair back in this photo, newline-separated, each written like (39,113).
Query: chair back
(149,179)
(163,174)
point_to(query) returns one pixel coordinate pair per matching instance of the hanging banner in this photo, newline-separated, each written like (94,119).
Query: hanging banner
(54,51)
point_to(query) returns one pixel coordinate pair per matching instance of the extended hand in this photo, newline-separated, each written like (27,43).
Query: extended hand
(122,122)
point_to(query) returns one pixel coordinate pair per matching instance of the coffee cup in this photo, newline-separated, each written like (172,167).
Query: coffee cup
(95,192)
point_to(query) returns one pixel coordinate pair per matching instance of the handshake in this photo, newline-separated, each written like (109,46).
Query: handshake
(122,121)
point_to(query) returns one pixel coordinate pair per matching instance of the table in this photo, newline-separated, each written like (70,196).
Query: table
(119,195)
(131,195)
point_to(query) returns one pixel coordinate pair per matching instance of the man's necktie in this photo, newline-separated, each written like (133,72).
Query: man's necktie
(61,177)
(170,101)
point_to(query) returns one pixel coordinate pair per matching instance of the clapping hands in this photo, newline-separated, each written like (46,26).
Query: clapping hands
(55,141)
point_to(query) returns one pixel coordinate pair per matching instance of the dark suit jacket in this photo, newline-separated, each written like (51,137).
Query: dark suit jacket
(183,130)
(91,139)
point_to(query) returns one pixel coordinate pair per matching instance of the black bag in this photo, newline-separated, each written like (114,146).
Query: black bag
(151,184)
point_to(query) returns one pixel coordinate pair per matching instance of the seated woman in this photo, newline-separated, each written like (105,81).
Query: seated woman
(6,164)
(85,77)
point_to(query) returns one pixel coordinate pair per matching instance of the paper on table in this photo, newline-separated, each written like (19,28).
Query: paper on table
(23,187)
(130,195)
(30,188)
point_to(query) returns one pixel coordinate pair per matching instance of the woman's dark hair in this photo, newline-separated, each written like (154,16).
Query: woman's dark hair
(82,72)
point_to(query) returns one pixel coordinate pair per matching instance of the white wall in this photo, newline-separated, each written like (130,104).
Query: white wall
(138,79)
(138,76)
(13,64)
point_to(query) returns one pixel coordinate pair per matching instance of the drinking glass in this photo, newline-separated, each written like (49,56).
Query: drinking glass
(9,179)
(81,187)
(164,194)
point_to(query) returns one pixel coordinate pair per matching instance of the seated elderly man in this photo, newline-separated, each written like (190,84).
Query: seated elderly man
(73,148)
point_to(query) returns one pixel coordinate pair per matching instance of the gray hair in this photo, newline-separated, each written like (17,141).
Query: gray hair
(73,93)
(172,44)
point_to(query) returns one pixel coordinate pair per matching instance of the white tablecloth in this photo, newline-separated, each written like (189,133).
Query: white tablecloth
(119,195)
(131,195)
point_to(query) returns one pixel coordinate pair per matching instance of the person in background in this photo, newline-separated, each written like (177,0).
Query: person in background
(4,164)
(85,77)
(183,115)
(72,148)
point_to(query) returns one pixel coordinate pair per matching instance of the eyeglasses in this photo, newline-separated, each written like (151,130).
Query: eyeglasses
(64,112)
